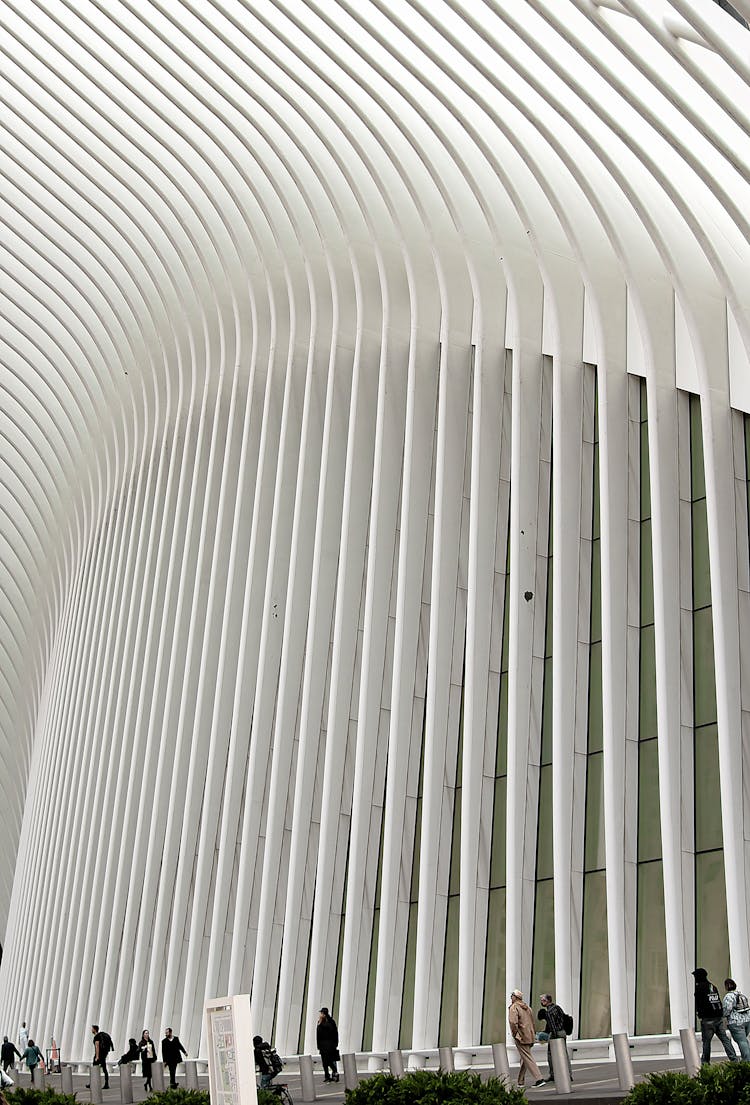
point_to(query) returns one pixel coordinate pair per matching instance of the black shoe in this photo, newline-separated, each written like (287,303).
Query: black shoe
(326,1079)
(540,1082)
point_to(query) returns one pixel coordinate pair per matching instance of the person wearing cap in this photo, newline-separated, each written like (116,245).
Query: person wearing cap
(554,1015)
(328,1045)
(521,1022)
(710,1012)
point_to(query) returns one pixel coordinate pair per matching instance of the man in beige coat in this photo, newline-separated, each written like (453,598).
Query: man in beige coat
(521,1021)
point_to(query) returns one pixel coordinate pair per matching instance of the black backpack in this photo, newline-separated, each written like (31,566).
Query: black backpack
(714,1001)
(568,1024)
(105,1043)
(275,1060)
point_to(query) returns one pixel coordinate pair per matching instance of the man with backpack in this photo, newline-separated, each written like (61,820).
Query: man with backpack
(710,1013)
(559,1027)
(267,1060)
(737,1011)
(102,1047)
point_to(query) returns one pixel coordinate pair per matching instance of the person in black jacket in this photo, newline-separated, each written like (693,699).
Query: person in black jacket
(328,1045)
(710,1013)
(263,1061)
(147,1050)
(554,1015)
(131,1054)
(7,1051)
(171,1048)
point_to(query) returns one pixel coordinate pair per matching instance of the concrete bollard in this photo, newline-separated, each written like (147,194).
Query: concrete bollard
(445,1059)
(690,1051)
(351,1078)
(191,1074)
(396,1063)
(623,1060)
(560,1064)
(126,1084)
(95,1084)
(306,1077)
(66,1078)
(157,1077)
(500,1061)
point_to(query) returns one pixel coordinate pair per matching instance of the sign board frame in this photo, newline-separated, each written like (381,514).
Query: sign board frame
(231,1063)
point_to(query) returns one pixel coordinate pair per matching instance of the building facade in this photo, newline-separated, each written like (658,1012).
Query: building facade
(374,530)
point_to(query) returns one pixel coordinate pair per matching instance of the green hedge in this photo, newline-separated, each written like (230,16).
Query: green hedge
(431,1087)
(720,1084)
(24,1095)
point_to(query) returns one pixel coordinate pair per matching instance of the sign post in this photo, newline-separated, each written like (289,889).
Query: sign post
(231,1065)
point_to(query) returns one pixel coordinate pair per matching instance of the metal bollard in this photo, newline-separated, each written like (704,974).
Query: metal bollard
(306,1077)
(351,1078)
(500,1061)
(623,1060)
(191,1074)
(126,1084)
(560,1065)
(95,1083)
(66,1078)
(157,1077)
(690,1051)
(445,1059)
(40,1081)
(396,1063)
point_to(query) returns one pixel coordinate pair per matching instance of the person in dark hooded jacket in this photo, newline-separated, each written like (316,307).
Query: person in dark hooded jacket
(328,1045)
(710,1013)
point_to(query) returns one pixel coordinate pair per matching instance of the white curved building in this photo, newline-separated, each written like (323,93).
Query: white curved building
(374,469)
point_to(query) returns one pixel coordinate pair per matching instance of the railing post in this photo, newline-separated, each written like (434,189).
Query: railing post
(445,1059)
(690,1051)
(623,1060)
(126,1084)
(560,1065)
(351,1078)
(157,1077)
(306,1077)
(396,1063)
(95,1084)
(500,1061)
(191,1074)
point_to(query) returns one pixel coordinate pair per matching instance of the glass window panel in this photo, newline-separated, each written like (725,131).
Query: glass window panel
(370,1001)
(701,569)
(417,848)
(647,574)
(455,872)
(596,721)
(704,678)
(547,713)
(543,955)
(697,482)
(644,400)
(651,985)
(594,857)
(595,1019)
(501,767)
(407,997)
(449,1000)
(649,827)
(548,616)
(497,856)
(707,790)
(493,1018)
(596,591)
(647,727)
(711,935)
(544,865)
(506,624)
(595,521)
(645,474)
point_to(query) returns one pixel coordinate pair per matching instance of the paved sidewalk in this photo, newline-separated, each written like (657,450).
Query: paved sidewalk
(595,1083)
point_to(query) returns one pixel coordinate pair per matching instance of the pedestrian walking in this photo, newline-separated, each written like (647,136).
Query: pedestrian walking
(328,1045)
(171,1050)
(32,1057)
(23,1040)
(147,1050)
(710,1012)
(7,1052)
(102,1047)
(556,1019)
(736,1009)
(521,1022)
(267,1061)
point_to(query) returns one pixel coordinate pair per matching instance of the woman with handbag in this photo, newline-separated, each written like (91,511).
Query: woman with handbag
(328,1045)
(147,1049)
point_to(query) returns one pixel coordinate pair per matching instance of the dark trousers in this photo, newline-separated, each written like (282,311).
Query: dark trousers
(172,1067)
(329,1067)
(710,1027)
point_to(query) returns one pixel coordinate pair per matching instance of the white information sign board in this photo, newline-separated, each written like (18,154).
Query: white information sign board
(231,1065)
